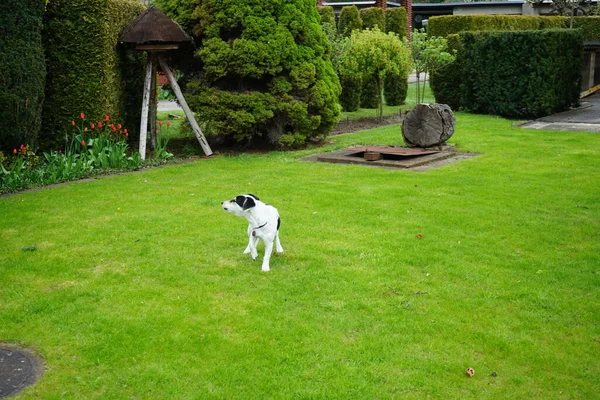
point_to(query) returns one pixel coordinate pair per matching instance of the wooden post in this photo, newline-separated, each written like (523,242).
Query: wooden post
(145,104)
(183,104)
(153,103)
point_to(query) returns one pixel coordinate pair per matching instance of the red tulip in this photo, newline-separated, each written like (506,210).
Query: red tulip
(99,124)
(119,126)
(126,134)
(157,131)
(82,115)
(92,126)
(73,122)
(14,151)
(160,123)
(107,118)
(168,123)
(83,142)
(125,131)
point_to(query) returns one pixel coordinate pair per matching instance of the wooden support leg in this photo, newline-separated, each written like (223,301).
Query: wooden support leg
(153,99)
(145,105)
(183,104)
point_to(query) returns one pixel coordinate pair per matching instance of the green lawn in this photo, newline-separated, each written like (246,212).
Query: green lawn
(139,288)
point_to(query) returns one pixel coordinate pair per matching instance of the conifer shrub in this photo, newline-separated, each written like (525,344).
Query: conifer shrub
(395,89)
(327,15)
(373,17)
(369,93)
(22,73)
(396,20)
(351,93)
(349,20)
(265,75)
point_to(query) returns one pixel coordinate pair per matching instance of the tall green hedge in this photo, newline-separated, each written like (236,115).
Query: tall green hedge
(396,20)
(373,17)
(521,74)
(450,24)
(327,15)
(590,27)
(86,70)
(349,20)
(22,72)
(266,76)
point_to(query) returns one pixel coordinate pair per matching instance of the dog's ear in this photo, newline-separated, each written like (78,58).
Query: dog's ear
(248,203)
(240,200)
(255,198)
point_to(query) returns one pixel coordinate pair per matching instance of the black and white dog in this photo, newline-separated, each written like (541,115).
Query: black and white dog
(263,223)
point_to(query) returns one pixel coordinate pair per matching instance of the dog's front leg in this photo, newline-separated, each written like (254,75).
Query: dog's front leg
(267,257)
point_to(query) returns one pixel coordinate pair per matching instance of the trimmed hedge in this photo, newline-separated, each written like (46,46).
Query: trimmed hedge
(445,82)
(22,73)
(86,71)
(327,15)
(396,20)
(590,27)
(524,74)
(451,24)
(373,17)
(349,20)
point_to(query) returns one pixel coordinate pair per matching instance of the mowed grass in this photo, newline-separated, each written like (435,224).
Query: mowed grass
(139,288)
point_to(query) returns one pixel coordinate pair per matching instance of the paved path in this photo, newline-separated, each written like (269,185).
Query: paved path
(585,118)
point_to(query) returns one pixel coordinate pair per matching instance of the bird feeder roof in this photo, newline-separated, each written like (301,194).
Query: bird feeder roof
(153,27)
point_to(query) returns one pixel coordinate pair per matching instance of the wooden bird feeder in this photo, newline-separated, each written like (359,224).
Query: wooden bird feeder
(154,32)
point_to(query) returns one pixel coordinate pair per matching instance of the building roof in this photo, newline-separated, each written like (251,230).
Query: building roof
(153,27)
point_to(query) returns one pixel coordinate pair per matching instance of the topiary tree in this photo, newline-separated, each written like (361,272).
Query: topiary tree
(266,74)
(396,20)
(349,20)
(373,17)
(374,54)
(22,72)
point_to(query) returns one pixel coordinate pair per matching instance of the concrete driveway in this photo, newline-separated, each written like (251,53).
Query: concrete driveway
(585,118)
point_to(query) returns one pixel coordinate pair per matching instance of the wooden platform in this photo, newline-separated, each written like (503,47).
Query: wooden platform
(392,157)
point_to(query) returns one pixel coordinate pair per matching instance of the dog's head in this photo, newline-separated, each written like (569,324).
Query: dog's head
(240,204)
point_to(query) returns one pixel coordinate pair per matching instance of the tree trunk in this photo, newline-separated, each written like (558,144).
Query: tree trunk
(428,125)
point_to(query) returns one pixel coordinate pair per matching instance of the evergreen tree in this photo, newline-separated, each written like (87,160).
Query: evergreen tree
(349,20)
(265,72)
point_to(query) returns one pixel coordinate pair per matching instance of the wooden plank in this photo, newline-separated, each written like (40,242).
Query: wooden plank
(184,105)
(153,104)
(145,105)
(589,91)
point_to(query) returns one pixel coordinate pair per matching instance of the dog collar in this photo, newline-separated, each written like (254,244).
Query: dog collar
(258,227)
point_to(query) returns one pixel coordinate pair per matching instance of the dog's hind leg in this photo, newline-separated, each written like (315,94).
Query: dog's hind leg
(278,248)
(268,251)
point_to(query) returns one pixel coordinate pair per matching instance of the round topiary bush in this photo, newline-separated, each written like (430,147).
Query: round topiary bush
(265,73)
